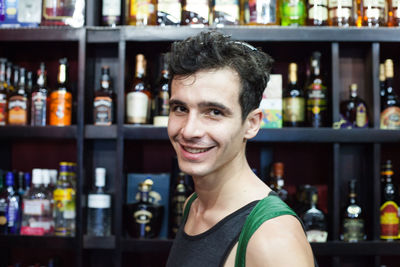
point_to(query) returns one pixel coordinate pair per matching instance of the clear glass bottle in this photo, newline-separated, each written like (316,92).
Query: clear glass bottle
(293,12)
(373,13)
(39,98)
(293,100)
(169,12)
(18,103)
(225,12)
(354,110)
(99,207)
(317,12)
(37,213)
(340,13)
(111,13)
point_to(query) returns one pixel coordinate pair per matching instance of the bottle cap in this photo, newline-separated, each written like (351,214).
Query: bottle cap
(27,177)
(389,68)
(37,176)
(353,87)
(45,177)
(100,177)
(9,179)
(53,176)
(278,169)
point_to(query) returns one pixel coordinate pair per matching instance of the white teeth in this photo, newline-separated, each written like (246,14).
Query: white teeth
(196,150)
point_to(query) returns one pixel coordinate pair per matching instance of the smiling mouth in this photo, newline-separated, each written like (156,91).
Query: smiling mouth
(196,150)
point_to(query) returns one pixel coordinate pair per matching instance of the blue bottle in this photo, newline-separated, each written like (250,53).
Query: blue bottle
(13,206)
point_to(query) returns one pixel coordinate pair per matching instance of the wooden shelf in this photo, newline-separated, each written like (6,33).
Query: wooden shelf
(47,132)
(99,242)
(42,242)
(146,245)
(47,34)
(100,132)
(366,248)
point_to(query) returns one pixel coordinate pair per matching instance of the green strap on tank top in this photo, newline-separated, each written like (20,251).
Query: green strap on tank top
(187,207)
(267,208)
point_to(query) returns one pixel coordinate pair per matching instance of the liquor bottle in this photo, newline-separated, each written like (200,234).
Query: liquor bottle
(3,92)
(317,12)
(169,12)
(353,229)
(278,182)
(63,12)
(195,12)
(99,207)
(103,104)
(60,107)
(393,14)
(64,203)
(162,98)
(9,72)
(111,12)
(293,12)
(382,87)
(225,12)
(39,98)
(13,205)
(20,182)
(373,13)
(3,205)
(143,217)
(340,13)
(293,101)
(180,194)
(29,83)
(138,98)
(316,95)
(389,216)
(259,12)
(355,109)
(18,103)
(390,115)
(314,219)
(142,12)
(15,80)
(37,211)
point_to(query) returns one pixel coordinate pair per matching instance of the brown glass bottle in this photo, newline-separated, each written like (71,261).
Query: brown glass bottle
(393,14)
(18,102)
(39,98)
(138,98)
(354,110)
(382,87)
(340,13)
(103,104)
(317,12)
(142,12)
(179,196)
(390,115)
(293,100)
(278,182)
(373,13)
(195,12)
(161,112)
(316,95)
(225,12)
(3,92)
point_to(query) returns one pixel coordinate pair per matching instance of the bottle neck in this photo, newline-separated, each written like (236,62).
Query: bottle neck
(144,196)
(62,75)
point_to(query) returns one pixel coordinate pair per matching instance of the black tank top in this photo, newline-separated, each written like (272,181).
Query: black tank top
(212,247)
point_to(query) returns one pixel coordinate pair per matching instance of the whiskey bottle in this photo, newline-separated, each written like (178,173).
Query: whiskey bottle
(169,12)
(64,203)
(316,95)
(340,13)
(142,12)
(179,196)
(225,12)
(99,207)
(293,12)
(195,12)
(314,219)
(37,212)
(111,13)
(18,103)
(138,98)
(3,92)
(354,110)
(393,14)
(60,107)
(39,98)
(13,205)
(143,217)
(374,13)
(390,115)
(103,104)
(259,12)
(353,229)
(278,183)
(382,87)
(162,97)
(293,101)
(317,12)
(389,216)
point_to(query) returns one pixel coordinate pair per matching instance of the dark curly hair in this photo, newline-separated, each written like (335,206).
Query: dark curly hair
(214,50)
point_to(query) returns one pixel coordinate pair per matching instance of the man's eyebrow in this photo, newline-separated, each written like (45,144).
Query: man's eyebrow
(176,102)
(209,104)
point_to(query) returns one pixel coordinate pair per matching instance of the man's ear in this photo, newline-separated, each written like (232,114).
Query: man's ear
(253,123)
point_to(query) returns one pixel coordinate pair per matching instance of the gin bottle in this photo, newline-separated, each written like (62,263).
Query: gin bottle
(13,205)
(99,207)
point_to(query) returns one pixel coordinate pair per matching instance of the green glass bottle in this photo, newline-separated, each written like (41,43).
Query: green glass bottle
(293,12)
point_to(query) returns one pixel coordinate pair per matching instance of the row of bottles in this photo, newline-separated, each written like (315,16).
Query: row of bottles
(24,101)
(46,206)
(251,12)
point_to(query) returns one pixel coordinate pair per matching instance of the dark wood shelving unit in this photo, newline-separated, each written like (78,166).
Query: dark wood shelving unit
(43,242)
(100,132)
(39,132)
(99,242)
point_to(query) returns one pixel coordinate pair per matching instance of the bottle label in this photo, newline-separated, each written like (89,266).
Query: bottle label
(64,202)
(374,3)
(172,8)
(99,201)
(63,194)
(60,108)
(261,12)
(137,107)
(37,207)
(38,228)
(12,215)
(3,109)
(361,116)
(17,113)
(228,11)
(103,107)
(340,4)
(293,109)
(28,11)
(199,7)
(38,108)
(318,10)
(111,8)
(389,220)
(317,236)
(142,216)
(353,230)
(390,118)
(293,9)
(142,9)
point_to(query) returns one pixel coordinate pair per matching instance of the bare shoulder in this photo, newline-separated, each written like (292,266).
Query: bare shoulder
(278,242)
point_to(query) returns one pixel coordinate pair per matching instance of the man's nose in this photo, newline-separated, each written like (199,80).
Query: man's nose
(192,127)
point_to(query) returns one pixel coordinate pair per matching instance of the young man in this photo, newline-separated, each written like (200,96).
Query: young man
(216,87)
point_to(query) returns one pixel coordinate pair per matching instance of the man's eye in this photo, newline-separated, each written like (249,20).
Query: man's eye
(179,108)
(215,112)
